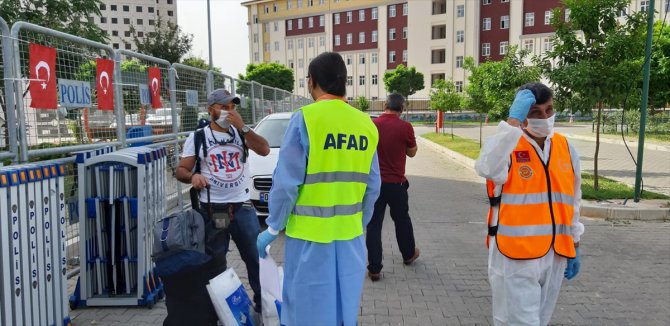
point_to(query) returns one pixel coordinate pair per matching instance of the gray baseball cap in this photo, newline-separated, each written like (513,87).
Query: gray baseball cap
(221,96)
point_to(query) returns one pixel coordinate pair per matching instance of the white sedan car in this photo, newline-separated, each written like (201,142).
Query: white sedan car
(271,128)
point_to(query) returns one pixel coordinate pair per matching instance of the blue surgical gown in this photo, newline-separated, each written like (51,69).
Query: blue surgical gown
(323,282)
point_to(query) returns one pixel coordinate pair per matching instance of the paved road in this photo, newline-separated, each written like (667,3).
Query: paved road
(614,160)
(624,278)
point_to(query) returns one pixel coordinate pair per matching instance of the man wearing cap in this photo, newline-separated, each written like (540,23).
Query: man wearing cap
(224,182)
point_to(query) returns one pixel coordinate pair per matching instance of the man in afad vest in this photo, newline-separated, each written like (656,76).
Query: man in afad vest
(323,192)
(533,184)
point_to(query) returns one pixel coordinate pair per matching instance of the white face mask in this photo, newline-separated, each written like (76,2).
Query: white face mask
(221,121)
(541,127)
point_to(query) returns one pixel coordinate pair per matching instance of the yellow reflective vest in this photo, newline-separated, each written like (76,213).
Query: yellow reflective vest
(342,143)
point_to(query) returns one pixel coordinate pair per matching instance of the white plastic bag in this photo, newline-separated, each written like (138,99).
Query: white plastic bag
(272,279)
(230,299)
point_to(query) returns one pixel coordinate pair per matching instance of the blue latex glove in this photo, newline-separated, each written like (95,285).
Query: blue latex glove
(522,102)
(573,266)
(263,241)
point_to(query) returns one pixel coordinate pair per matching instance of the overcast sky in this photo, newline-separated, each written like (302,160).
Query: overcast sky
(230,42)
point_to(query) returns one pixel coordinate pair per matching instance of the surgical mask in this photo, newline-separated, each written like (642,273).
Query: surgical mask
(541,127)
(221,121)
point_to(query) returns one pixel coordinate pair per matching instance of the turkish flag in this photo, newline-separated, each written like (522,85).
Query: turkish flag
(155,87)
(42,77)
(104,83)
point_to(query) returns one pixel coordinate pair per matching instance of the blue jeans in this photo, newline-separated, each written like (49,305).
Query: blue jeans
(244,229)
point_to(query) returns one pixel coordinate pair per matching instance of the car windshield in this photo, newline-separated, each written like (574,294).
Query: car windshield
(273,130)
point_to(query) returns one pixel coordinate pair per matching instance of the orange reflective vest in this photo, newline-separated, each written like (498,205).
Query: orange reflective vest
(536,204)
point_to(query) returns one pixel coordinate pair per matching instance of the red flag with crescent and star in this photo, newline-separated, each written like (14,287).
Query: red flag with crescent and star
(42,64)
(155,87)
(104,83)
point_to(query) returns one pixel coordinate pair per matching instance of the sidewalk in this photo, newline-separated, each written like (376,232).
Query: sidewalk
(614,160)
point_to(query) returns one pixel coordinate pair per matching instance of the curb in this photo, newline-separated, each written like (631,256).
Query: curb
(589,209)
(649,146)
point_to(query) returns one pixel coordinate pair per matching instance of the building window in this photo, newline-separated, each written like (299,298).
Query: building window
(361,59)
(374,12)
(138,8)
(126,8)
(337,40)
(486,2)
(392,56)
(547,44)
(404,55)
(322,20)
(322,41)
(392,34)
(530,19)
(459,61)
(350,81)
(374,57)
(150,10)
(486,24)
(276,45)
(460,11)
(301,63)
(322,2)
(349,61)
(310,42)
(644,5)
(503,47)
(361,37)
(361,80)
(256,56)
(289,4)
(310,3)
(255,18)
(436,77)
(504,22)
(289,44)
(140,34)
(460,36)
(103,20)
(310,22)
(459,86)
(350,38)
(126,21)
(152,22)
(115,20)
(300,23)
(115,45)
(374,36)
(529,45)
(302,83)
(276,26)
(115,33)
(486,49)
(392,11)
(667,6)
(113,7)
(290,63)
(127,46)
(547,17)
(290,25)
(374,79)
(299,4)
(567,13)
(267,46)
(361,15)
(170,13)
(169,2)
(301,44)
(126,33)
(350,16)
(274,7)
(266,27)
(404,33)
(438,56)
(405,9)
(336,18)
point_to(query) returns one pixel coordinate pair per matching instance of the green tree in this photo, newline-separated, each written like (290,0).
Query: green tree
(269,74)
(63,15)
(198,62)
(403,80)
(166,42)
(362,103)
(444,97)
(659,78)
(596,58)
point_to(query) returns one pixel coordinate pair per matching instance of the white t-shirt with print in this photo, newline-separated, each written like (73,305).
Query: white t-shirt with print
(228,177)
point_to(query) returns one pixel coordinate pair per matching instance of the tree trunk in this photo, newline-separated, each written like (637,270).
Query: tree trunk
(452,127)
(595,156)
(480,130)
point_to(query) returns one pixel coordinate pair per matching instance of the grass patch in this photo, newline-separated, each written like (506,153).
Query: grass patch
(467,147)
(610,189)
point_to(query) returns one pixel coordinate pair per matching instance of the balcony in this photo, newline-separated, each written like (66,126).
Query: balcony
(439,32)
(438,56)
(439,7)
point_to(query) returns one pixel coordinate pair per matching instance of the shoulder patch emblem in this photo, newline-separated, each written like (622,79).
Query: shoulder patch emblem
(522,156)
(525,172)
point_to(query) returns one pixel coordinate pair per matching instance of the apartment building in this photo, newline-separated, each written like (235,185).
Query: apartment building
(374,36)
(117,16)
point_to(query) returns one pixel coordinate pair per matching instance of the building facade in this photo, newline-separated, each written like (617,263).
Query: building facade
(374,36)
(117,16)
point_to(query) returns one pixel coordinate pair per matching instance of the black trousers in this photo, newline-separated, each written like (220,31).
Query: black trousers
(395,196)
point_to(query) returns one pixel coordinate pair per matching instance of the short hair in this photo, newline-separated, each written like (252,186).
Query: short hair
(395,102)
(329,72)
(541,92)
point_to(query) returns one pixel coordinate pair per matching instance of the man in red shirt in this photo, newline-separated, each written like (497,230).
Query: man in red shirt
(396,140)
